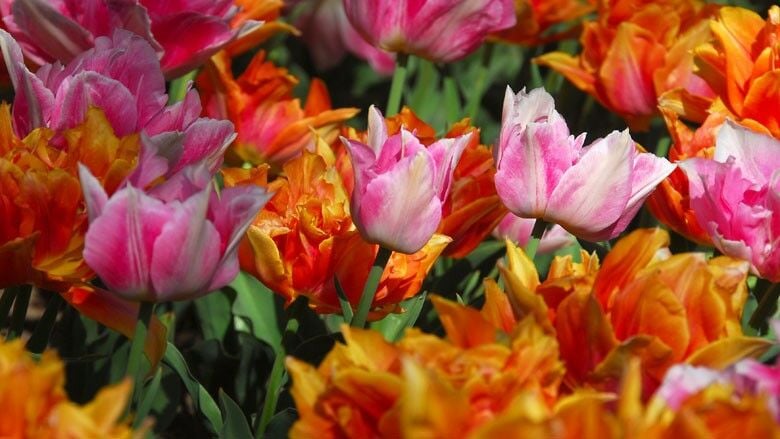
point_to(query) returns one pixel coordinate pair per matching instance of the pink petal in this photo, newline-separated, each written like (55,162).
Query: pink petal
(400,208)
(755,153)
(205,36)
(186,252)
(446,155)
(377,130)
(592,194)
(205,141)
(58,36)
(94,194)
(91,89)
(119,242)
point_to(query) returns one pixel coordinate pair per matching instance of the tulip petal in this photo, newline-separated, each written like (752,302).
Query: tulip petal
(94,194)
(754,153)
(593,193)
(56,35)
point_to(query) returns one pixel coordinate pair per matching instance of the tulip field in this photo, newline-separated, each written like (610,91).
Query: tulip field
(390,219)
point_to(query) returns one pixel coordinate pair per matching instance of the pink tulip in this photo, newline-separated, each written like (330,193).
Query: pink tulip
(518,230)
(184,33)
(400,185)
(439,30)
(329,36)
(176,242)
(544,172)
(736,197)
(121,76)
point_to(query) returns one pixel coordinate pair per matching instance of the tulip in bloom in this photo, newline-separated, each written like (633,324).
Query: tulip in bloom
(544,172)
(438,30)
(634,52)
(60,30)
(271,126)
(176,242)
(303,239)
(735,197)
(536,19)
(34,402)
(400,185)
(519,230)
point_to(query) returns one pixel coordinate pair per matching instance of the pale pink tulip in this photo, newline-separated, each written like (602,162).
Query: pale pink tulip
(400,185)
(330,36)
(439,30)
(544,172)
(518,230)
(736,197)
(184,33)
(121,76)
(176,242)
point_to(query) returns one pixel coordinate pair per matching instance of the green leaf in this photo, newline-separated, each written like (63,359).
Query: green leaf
(214,314)
(256,304)
(150,394)
(201,398)
(235,425)
(346,307)
(393,325)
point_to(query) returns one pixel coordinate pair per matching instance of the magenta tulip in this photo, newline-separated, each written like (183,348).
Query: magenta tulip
(176,242)
(184,33)
(121,76)
(736,197)
(400,185)
(439,30)
(544,172)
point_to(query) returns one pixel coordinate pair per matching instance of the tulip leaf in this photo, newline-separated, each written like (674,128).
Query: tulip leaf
(214,314)
(393,325)
(149,395)
(346,307)
(256,304)
(234,425)
(201,398)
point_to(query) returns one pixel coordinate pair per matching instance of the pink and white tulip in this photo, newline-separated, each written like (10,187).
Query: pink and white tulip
(439,30)
(400,185)
(183,33)
(178,241)
(736,197)
(519,230)
(544,172)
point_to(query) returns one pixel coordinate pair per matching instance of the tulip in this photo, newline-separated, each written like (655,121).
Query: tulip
(735,197)
(543,172)
(519,230)
(439,30)
(60,30)
(400,185)
(176,242)
(329,36)
(542,22)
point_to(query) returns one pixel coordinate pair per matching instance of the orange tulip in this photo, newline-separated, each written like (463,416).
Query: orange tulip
(642,302)
(634,52)
(43,214)
(472,209)
(265,11)
(535,18)
(304,238)
(270,124)
(32,395)
(425,385)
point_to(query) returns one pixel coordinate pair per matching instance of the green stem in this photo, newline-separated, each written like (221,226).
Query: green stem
(6,301)
(767,305)
(451,99)
(40,336)
(397,86)
(178,88)
(135,358)
(19,312)
(475,99)
(382,256)
(272,394)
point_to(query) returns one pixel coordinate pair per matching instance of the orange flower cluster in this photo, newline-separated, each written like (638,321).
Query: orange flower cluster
(642,302)
(43,219)
(741,64)
(472,209)
(424,386)
(578,355)
(34,402)
(634,52)
(304,239)
(271,125)
(536,19)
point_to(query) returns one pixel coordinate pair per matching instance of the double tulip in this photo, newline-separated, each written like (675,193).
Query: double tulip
(544,172)
(736,196)
(400,185)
